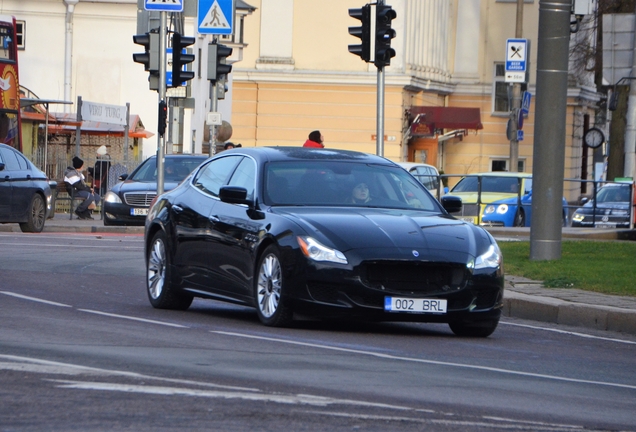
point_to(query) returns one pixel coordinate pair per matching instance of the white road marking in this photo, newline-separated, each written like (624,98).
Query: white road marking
(47,367)
(64,246)
(132,318)
(298,399)
(34,299)
(424,361)
(512,424)
(583,335)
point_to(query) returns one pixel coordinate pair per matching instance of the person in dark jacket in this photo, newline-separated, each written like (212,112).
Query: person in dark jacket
(100,171)
(315,140)
(74,178)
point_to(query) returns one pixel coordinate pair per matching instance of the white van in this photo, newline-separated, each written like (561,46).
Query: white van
(427,175)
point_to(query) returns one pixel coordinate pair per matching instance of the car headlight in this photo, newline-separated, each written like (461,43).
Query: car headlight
(499,209)
(490,259)
(502,208)
(112,197)
(578,217)
(316,251)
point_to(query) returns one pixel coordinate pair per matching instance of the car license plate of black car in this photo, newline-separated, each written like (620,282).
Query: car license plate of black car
(415,305)
(138,211)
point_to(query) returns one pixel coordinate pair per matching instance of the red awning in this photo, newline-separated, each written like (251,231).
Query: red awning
(425,120)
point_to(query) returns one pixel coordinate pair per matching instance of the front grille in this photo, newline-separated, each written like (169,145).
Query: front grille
(138,199)
(415,278)
(469,210)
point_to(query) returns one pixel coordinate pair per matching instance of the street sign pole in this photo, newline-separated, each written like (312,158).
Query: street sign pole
(379,145)
(161,141)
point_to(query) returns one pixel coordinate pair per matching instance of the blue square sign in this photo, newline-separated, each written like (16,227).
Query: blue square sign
(215,17)
(516,55)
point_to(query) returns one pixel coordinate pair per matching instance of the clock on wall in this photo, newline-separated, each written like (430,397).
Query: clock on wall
(594,137)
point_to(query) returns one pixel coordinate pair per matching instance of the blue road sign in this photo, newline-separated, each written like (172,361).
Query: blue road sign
(519,135)
(164,5)
(516,55)
(525,103)
(215,17)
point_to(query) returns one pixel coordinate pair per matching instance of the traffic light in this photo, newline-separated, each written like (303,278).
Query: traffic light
(217,61)
(383,34)
(180,59)
(364,32)
(149,58)
(163,118)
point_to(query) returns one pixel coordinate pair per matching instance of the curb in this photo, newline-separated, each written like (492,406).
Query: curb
(557,311)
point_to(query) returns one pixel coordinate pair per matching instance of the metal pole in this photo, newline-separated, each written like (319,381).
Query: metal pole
(78,129)
(161,141)
(629,169)
(214,101)
(549,129)
(379,146)
(46,135)
(126,131)
(516,99)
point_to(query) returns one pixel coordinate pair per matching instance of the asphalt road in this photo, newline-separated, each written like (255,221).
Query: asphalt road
(82,349)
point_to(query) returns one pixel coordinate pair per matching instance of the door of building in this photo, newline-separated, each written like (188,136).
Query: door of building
(423,150)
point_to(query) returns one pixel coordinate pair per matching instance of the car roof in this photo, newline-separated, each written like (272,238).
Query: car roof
(415,164)
(275,154)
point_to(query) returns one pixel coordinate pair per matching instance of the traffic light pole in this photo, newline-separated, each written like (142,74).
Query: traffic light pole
(161,140)
(379,140)
(214,102)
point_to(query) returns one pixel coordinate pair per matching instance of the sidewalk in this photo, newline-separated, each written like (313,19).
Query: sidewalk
(523,298)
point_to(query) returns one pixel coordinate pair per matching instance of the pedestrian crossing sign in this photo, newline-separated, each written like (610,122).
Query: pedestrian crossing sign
(164,5)
(215,17)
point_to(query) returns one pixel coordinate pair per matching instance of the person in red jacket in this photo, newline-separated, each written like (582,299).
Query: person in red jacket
(315,140)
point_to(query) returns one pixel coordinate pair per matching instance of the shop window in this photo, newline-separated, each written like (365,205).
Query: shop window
(502,165)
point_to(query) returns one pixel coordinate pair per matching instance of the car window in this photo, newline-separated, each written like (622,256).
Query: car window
(245,176)
(212,176)
(147,171)
(488,184)
(613,194)
(10,159)
(327,183)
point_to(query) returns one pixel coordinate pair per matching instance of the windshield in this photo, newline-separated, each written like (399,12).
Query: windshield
(613,194)
(492,184)
(175,169)
(328,183)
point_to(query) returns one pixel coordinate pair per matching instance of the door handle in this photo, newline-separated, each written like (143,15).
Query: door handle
(214,219)
(177,209)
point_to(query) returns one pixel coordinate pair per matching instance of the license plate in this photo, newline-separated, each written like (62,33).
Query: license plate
(412,305)
(470,219)
(138,211)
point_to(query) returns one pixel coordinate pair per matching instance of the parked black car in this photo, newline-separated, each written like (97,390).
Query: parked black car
(324,233)
(611,209)
(25,194)
(128,201)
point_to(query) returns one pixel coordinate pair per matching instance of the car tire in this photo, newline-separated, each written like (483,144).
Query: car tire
(162,293)
(520,219)
(272,304)
(482,328)
(36,216)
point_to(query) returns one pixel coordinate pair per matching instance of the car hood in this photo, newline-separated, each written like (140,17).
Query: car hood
(369,228)
(134,186)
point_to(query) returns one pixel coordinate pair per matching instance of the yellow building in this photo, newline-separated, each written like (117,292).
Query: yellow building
(296,75)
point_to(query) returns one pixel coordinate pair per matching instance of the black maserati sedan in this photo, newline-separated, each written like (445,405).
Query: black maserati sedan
(321,234)
(128,201)
(25,193)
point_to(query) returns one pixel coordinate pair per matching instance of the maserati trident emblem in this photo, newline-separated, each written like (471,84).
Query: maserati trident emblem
(416,253)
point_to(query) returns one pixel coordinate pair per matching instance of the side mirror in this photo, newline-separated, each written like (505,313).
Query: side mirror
(451,203)
(585,200)
(234,195)
(123,177)
(1,166)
